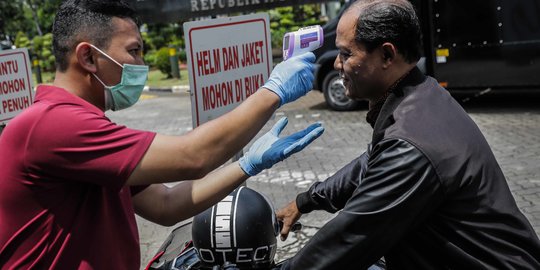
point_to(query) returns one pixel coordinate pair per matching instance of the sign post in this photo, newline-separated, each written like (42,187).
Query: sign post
(16,92)
(228,60)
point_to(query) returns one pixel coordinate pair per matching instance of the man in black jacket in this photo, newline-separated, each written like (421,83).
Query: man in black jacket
(428,192)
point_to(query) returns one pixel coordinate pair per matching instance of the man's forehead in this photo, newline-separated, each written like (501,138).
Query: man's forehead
(124,24)
(125,30)
(347,24)
(349,17)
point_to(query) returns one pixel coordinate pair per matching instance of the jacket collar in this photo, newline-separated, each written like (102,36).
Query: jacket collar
(385,118)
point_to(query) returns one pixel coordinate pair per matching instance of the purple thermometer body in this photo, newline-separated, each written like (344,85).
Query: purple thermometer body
(303,40)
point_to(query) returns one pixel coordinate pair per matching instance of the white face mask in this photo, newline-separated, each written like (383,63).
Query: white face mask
(127,92)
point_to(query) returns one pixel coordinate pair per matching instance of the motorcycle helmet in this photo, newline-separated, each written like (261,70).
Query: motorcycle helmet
(240,230)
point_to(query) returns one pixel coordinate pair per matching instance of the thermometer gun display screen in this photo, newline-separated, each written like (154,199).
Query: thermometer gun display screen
(286,43)
(307,38)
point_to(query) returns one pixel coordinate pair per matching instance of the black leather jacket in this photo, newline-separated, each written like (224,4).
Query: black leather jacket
(428,194)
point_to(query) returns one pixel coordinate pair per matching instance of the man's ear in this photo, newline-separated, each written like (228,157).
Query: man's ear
(389,53)
(85,56)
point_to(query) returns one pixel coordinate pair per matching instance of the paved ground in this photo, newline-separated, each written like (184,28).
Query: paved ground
(511,124)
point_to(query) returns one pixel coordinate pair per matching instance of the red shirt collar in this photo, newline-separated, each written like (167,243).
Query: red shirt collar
(57,95)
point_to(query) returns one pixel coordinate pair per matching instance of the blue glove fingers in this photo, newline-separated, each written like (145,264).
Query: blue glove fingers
(307,78)
(279,126)
(307,73)
(270,149)
(293,78)
(304,141)
(309,57)
(298,135)
(304,63)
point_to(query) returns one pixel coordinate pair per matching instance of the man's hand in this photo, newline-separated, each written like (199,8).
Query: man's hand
(293,78)
(271,149)
(289,215)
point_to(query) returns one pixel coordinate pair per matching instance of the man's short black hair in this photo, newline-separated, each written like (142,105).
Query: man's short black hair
(85,20)
(391,21)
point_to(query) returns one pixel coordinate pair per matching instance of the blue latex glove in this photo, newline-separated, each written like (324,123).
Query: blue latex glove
(293,78)
(271,149)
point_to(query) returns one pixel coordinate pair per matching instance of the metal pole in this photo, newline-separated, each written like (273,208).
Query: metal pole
(173,57)
(37,68)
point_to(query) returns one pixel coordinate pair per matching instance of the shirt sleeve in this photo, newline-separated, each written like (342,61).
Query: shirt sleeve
(81,146)
(399,190)
(332,194)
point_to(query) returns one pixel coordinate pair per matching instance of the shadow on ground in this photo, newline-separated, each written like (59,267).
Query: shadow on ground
(475,102)
(501,101)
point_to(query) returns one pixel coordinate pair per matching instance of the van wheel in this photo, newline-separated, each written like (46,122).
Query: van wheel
(334,93)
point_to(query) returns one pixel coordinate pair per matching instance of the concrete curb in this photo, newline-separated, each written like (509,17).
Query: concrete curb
(174,89)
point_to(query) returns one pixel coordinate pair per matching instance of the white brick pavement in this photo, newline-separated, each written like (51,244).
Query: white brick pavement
(511,126)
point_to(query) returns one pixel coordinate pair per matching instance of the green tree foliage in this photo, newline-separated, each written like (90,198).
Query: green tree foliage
(287,19)
(33,17)
(11,19)
(41,12)
(160,35)
(162,62)
(21,40)
(42,46)
(28,23)
(157,39)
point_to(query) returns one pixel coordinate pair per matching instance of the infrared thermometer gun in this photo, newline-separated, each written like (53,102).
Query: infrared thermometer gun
(303,40)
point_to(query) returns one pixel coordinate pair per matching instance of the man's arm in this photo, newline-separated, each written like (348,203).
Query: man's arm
(168,206)
(175,158)
(400,189)
(330,195)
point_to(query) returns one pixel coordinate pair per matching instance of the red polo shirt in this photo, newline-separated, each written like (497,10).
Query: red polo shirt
(63,204)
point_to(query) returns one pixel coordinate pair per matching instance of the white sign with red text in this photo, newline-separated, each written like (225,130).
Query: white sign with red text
(16,92)
(228,60)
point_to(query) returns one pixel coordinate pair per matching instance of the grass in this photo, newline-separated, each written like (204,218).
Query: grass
(46,77)
(159,80)
(156,79)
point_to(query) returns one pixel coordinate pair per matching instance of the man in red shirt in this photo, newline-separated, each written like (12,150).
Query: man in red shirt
(71,180)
